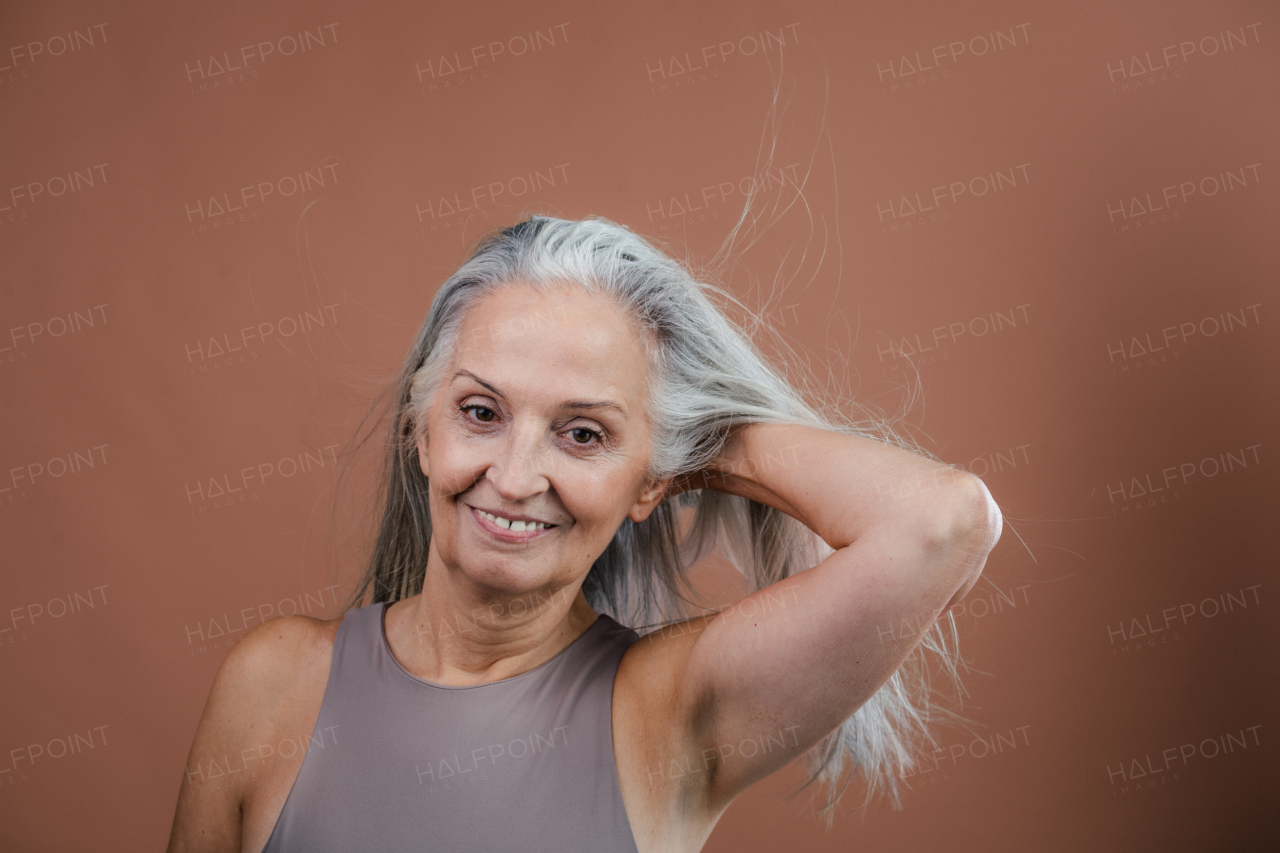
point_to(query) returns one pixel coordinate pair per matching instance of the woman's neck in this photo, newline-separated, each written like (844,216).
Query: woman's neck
(459,634)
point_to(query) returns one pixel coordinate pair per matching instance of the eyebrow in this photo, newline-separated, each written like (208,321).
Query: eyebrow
(576,405)
(479,381)
(596,404)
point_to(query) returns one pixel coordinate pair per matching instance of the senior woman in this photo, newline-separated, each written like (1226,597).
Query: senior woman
(576,424)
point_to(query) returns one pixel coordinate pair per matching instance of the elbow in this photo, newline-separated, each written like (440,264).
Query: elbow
(967,525)
(987,522)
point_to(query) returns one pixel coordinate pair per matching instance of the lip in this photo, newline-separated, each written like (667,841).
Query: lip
(507,535)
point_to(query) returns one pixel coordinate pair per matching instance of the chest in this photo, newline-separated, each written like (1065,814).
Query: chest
(471,769)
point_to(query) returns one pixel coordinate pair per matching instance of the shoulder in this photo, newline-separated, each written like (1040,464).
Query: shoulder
(272,657)
(267,682)
(652,680)
(655,658)
(272,681)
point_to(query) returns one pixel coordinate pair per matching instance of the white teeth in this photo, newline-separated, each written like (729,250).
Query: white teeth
(514,526)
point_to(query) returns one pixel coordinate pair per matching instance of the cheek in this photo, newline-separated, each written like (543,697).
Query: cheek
(602,494)
(455,463)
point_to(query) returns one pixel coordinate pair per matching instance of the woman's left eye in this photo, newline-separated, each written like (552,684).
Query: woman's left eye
(582,435)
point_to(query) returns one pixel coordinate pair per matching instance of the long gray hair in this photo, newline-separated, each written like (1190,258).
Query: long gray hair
(707,377)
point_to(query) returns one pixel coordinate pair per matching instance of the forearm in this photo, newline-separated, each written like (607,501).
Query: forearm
(842,486)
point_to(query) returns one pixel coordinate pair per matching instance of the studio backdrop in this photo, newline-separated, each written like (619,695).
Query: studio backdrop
(1040,235)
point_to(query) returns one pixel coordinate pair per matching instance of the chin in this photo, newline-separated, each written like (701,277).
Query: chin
(503,573)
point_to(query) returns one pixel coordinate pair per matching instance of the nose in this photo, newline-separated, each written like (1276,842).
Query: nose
(517,473)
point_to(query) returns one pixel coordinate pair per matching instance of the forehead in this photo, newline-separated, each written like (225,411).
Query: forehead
(561,341)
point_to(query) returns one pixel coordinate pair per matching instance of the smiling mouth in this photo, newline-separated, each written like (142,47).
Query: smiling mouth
(515,526)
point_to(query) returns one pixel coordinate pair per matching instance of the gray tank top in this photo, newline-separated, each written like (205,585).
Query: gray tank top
(396,763)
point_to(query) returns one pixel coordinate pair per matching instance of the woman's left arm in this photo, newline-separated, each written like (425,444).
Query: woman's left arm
(788,664)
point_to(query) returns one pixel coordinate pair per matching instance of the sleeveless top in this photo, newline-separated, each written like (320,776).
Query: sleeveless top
(396,763)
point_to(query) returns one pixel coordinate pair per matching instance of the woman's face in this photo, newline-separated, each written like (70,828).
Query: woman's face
(537,442)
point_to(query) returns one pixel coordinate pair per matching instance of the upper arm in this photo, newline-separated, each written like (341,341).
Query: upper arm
(775,673)
(243,709)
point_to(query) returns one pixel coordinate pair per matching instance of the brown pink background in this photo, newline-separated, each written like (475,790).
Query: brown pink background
(168,323)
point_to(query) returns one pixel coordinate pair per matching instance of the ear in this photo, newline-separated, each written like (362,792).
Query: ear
(422,455)
(652,495)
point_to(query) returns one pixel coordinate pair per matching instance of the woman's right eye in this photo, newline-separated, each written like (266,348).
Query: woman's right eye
(481,413)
